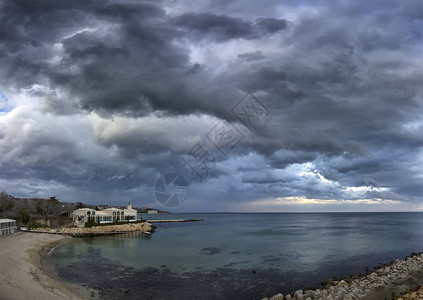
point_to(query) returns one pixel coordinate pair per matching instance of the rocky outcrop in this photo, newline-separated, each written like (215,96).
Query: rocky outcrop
(383,283)
(416,294)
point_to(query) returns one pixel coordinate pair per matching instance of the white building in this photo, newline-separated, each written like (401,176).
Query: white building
(130,213)
(83,215)
(7,226)
(102,217)
(152,211)
(117,214)
(108,215)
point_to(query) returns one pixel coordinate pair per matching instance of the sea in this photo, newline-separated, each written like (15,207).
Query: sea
(236,255)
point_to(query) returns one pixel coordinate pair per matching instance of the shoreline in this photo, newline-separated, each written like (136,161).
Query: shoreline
(48,270)
(23,272)
(388,281)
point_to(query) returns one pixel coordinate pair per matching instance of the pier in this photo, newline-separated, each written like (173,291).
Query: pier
(175,220)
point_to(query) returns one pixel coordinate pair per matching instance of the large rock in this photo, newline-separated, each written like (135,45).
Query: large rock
(277,297)
(342,283)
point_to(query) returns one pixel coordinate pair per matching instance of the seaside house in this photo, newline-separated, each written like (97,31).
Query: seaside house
(108,215)
(7,226)
(152,211)
(117,214)
(83,215)
(102,217)
(130,213)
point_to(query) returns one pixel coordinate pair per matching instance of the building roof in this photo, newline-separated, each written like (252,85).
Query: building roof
(101,213)
(84,209)
(113,208)
(130,209)
(6,220)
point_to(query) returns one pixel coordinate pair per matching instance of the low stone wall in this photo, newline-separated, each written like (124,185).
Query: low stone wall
(386,282)
(100,230)
(175,220)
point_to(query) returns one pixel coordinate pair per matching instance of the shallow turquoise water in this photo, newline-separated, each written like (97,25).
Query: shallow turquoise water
(245,256)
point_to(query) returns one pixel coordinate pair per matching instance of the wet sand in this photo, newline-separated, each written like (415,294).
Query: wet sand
(22,275)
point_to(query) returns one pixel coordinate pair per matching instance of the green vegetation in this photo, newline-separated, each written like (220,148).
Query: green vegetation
(91,222)
(36,212)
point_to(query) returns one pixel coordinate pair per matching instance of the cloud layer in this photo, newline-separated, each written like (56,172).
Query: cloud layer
(97,98)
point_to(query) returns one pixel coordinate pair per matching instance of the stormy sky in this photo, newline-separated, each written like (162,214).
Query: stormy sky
(288,105)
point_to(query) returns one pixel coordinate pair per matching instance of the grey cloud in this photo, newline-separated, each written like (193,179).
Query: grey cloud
(221,28)
(271,25)
(343,85)
(251,56)
(283,158)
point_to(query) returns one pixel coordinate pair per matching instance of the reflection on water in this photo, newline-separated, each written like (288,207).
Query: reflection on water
(238,256)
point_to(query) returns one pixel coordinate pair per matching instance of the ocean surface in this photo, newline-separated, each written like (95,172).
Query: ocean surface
(237,256)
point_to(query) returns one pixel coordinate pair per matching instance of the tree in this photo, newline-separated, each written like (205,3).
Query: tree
(54,199)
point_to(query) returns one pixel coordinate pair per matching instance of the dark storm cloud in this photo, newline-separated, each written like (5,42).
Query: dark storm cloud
(115,57)
(112,57)
(271,25)
(342,83)
(251,56)
(283,158)
(218,27)
(221,28)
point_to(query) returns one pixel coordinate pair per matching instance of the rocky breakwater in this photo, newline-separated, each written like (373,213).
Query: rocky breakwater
(384,283)
(175,220)
(416,294)
(144,227)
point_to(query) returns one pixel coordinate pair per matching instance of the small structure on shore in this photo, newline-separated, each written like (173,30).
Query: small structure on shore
(108,215)
(7,226)
(152,211)
(130,213)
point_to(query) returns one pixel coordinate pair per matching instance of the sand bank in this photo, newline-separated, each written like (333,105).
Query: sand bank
(21,272)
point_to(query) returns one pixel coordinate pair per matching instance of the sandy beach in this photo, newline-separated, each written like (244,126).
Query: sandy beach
(22,275)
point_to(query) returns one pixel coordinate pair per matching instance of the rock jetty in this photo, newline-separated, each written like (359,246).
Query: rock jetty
(416,294)
(387,282)
(175,220)
(144,227)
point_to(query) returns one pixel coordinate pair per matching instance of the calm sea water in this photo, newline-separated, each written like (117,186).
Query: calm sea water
(237,256)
